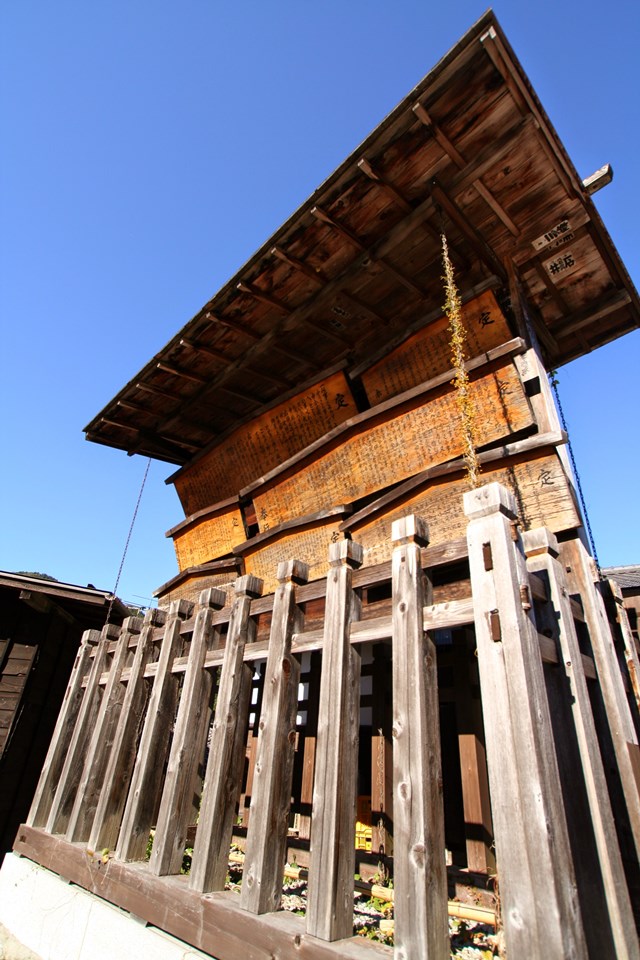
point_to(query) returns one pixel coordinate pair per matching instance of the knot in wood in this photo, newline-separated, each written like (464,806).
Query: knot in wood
(402,606)
(286,667)
(404,790)
(419,854)
(292,740)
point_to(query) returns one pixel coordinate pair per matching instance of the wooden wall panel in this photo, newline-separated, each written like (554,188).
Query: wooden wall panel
(309,544)
(395,446)
(209,537)
(539,484)
(268,440)
(428,352)
(191,587)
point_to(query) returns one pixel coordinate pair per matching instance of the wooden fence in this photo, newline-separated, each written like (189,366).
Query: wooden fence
(153,737)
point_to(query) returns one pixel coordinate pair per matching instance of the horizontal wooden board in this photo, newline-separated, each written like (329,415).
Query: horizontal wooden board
(428,352)
(268,440)
(539,484)
(209,537)
(191,587)
(400,443)
(310,544)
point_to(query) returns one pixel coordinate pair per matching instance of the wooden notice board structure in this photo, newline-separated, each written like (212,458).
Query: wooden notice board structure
(355,645)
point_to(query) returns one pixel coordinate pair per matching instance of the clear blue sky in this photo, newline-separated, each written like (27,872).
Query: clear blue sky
(150,147)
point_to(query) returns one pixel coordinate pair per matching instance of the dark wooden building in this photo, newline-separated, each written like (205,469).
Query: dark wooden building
(41,625)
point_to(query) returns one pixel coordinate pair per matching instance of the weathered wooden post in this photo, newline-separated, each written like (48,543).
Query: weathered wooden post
(106,823)
(73,766)
(540,908)
(223,778)
(581,577)
(66,726)
(330,892)
(541,547)
(189,738)
(146,784)
(420,876)
(271,798)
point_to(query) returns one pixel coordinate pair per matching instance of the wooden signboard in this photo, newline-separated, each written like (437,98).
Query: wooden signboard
(539,484)
(190,584)
(212,534)
(309,543)
(428,352)
(397,444)
(257,447)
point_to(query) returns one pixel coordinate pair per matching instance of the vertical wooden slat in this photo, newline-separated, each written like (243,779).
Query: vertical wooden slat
(476,804)
(309,746)
(106,823)
(97,755)
(58,818)
(420,877)
(381,752)
(189,737)
(62,735)
(330,890)
(541,547)
(223,780)
(271,799)
(146,784)
(540,908)
(630,650)
(581,577)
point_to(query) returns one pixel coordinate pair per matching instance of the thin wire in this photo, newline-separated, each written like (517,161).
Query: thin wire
(554,383)
(126,546)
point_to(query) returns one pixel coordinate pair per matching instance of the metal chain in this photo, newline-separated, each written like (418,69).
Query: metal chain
(554,383)
(126,546)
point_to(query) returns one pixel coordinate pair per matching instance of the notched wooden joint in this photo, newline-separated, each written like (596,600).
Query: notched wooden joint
(411,529)
(346,552)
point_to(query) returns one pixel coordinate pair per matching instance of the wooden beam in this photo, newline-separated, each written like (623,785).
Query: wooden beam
(314,273)
(567,325)
(216,320)
(180,372)
(205,350)
(481,247)
(367,168)
(251,290)
(601,178)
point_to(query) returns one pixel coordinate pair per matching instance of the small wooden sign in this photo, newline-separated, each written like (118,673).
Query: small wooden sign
(428,352)
(539,484)
(399,443)
(259,446)
(209,537)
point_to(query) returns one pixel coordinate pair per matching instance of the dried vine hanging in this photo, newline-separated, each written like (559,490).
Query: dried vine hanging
(453,310)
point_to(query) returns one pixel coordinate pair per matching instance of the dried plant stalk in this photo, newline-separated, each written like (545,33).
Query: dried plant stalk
(453,310)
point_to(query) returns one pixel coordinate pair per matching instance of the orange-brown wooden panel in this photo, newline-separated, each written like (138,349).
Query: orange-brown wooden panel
(190,587)
(309,544)
(394,446)
(539,483)
(209,537)
(268,440)
(428,352)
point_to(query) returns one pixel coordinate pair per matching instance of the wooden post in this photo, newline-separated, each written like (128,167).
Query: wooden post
(541,547)
(271,800)
(188,744)
(630,650)
(420,875)
(309,745)
(540,908)
(106,823)
(382,752)
(581,577)
(73,764)
(223,780)
(146,784)
(333,825)
(60,743)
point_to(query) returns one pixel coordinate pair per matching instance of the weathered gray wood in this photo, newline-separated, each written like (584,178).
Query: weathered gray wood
(541,547)
(582,577)
(62,804)
(223,779)
(188,744)
(113,796)
(420,878)
(266,848)
(63,733)
(630,650)
(540,908)
(97,755)
(146,784)
(330,889)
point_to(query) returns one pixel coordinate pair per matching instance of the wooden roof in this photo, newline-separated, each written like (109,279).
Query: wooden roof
(358,266)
